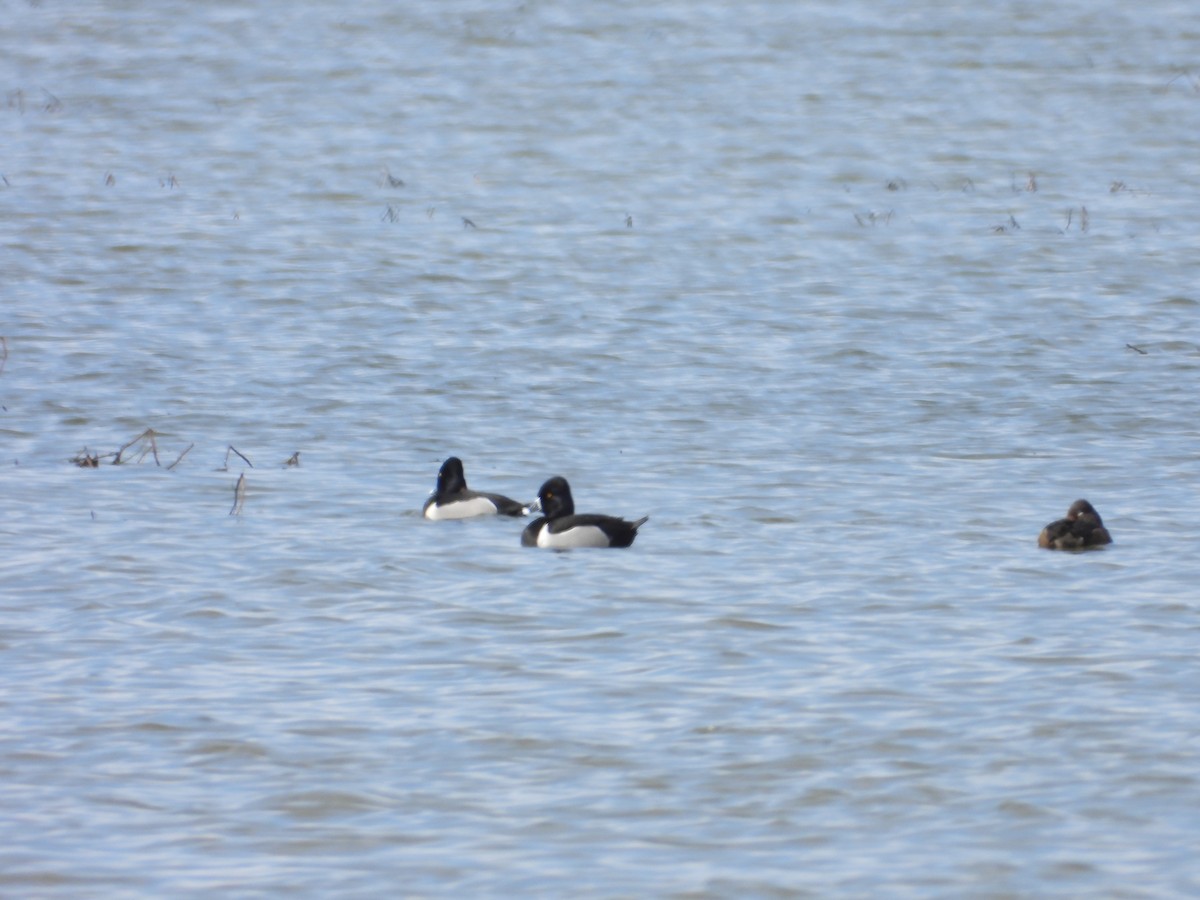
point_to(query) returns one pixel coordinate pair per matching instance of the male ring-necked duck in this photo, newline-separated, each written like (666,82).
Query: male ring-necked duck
(1081,529)
(453,500)
(559,528)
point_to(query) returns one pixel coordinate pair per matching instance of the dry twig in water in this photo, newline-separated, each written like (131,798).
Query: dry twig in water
(180,457)
(873,218)
(239,494)
(1192,81)
(233,449)
(148,435)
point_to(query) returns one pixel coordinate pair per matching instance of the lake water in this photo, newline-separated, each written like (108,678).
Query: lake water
(850,298)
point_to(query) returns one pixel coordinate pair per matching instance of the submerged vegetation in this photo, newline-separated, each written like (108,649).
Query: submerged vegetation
(137,449)
(145,444)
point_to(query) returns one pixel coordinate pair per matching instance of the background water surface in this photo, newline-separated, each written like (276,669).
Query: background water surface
(851,298)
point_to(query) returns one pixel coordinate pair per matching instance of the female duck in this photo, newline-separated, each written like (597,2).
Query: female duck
(1081,529)
(559,528)
(453,500)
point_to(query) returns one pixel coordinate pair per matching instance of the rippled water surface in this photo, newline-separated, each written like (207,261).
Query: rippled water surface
(850,298)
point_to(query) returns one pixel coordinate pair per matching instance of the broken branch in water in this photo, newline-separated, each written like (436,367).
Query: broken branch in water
(1083,218)
(1003,229)
(873,218)
(233,449)
(147,435)
(1137,349)
(145,444)
(239,494)
(180,457)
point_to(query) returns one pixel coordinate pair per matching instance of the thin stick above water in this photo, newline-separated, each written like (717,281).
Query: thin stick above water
(147,435)
(180,457)
(233,449)
(239,495)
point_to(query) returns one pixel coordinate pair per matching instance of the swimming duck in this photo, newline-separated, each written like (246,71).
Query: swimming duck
(1081,529)
(454,500)
(559,527)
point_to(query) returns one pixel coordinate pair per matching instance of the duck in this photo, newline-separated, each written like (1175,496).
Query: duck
(560,528)
(1081,529)
(452,499)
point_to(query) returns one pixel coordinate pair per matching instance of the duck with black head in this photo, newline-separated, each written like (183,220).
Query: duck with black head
(560,528)
(452,499)
(1080,530)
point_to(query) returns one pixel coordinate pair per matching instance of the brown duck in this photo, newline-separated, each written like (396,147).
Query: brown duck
(1080,530)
